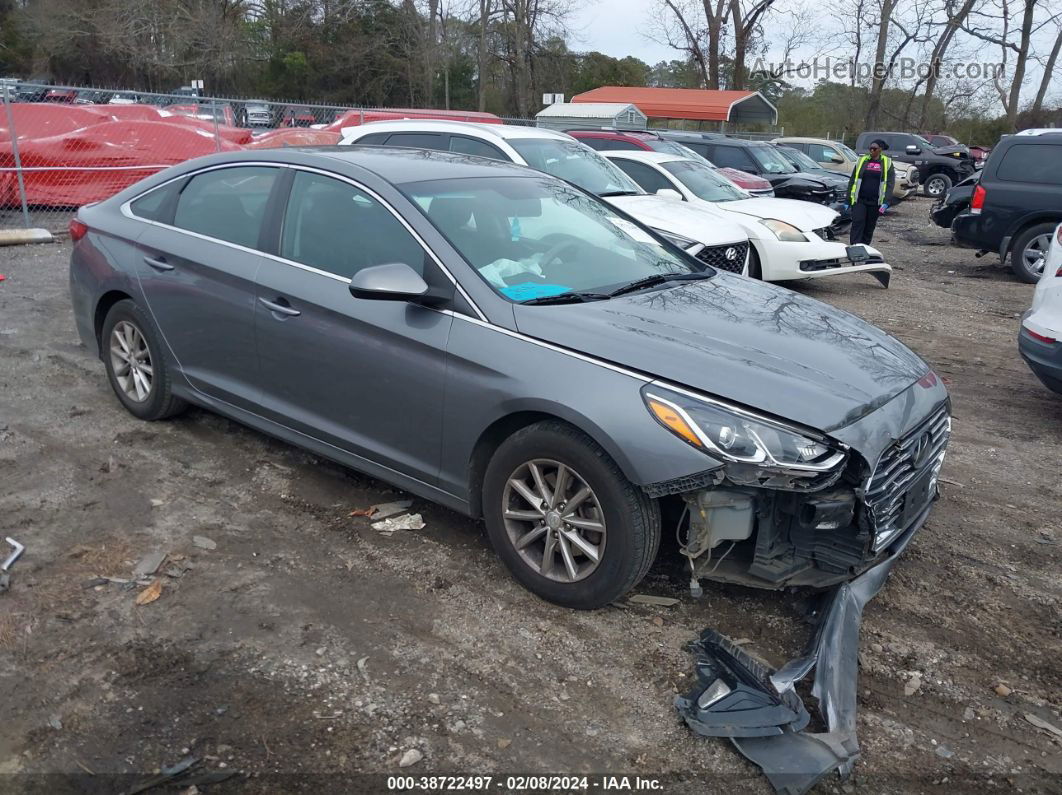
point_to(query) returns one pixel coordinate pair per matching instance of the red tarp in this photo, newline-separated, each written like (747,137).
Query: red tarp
(355,117)
(96,162)
(40,119)
(294,136)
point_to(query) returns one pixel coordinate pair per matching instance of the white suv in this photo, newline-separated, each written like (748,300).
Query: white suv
(701,231)
(1040,338)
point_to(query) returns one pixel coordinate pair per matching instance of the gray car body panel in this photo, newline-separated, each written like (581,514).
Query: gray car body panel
(582,363)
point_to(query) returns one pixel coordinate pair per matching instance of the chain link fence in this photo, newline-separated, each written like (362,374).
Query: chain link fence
(65,146)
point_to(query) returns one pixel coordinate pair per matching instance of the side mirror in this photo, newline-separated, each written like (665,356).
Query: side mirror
(670,193)
(913,150)
(837,159)
(394,281)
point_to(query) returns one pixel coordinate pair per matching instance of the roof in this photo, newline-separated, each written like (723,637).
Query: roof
(485,131)
(688,103)
(643,156)
(587,110)
(799,139)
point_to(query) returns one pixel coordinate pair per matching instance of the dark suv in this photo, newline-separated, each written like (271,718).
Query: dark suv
(938,167)
(1017,203)
(764,160)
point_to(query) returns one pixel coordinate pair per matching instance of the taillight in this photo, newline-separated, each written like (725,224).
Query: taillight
(1040,337)
(77,230)
(978,200)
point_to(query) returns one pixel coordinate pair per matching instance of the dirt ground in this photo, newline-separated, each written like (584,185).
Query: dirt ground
(308,652)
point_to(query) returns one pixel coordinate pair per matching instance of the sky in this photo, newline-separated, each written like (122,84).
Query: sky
(615,27)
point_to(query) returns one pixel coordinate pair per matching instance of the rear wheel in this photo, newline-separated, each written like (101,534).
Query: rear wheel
(937,185)
(564,519)
(1029,254)
(136,369)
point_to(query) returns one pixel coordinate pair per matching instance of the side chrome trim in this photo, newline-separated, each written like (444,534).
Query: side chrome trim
(128,213)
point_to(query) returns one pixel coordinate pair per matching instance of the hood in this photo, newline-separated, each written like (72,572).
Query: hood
(697,222)
(746,341)
(805,216)
(798,182)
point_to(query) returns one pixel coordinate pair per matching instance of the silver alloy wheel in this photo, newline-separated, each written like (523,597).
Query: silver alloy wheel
(1035,254)
(131,361)
(554,520)
(935,187)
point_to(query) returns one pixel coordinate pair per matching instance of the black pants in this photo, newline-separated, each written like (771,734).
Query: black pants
(864,219)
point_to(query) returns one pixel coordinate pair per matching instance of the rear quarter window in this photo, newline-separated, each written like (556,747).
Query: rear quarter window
(1032,163)
(156,205)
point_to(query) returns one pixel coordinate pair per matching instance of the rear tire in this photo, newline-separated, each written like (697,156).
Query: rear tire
(936,185)
(546,559)
(1028,256)
(135,365)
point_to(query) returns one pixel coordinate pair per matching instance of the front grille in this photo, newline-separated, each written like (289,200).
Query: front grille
(730,257)
(898,471)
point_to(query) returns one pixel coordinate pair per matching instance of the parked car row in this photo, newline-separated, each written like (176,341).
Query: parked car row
(676,192)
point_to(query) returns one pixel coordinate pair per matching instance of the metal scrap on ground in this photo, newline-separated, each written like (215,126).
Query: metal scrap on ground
(411,521)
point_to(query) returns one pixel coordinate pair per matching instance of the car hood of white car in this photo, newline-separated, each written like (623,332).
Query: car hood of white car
(701,223)
(805,216)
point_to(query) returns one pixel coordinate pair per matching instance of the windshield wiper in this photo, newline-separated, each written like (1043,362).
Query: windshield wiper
(566,298)
(610,193)
(660,278)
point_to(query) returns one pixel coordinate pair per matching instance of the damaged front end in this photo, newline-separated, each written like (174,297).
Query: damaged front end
(791,506)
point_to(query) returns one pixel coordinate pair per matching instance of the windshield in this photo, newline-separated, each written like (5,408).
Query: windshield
(576,163)
(801,159)
(704,182)
(535,237)
(771,161)
(848,152)
(922,140)
(675,148)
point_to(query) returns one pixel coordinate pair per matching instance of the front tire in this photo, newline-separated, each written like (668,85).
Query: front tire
(563,518)
(135,366)
(1029,254)
(937,185)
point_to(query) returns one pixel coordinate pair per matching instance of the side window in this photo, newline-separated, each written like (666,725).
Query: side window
(418,140)
(698,147)
(733,157)
(821,153)
(373,139)
(158,204)
(1031,163)
(332,226)
(228,204)
(470,146)
(647,177)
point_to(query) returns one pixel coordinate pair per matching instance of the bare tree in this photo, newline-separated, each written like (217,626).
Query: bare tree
(746,17)
(954,19)
(1049,72)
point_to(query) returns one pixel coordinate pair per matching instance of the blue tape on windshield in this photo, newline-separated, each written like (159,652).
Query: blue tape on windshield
(529,290)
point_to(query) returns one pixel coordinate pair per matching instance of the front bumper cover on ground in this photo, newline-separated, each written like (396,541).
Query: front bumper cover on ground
(772,719)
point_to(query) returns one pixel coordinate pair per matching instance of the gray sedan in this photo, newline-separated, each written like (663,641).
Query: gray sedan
(501,342)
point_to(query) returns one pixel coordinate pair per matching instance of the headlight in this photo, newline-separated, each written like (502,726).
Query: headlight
(757,449)
(784,231)
(676,240)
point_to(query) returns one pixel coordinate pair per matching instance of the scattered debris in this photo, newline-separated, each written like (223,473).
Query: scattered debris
(765,720)
(648,599)
(166,774)
(658,621)
(912,685)
(968,714)
(410,758)
(157,503)
(95,582)
(362,667)
(204,543)
(148,565)
(361,512)
(504,743)
(1002,690)
(944,752)
(411,521)
(1040,723)
(150,594)
(16,552)
(434,698)
(55,723)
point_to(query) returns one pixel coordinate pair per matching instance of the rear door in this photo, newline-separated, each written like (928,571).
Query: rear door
(366,376)
(724,156)
(197,268)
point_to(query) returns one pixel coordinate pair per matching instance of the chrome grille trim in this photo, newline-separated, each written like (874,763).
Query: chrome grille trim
(897,471)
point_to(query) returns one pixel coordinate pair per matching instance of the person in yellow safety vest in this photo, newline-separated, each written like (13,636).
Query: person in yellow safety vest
(870,184)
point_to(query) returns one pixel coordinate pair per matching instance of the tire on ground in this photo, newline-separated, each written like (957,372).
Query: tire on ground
(1017,251)
(632,520)
(161,402)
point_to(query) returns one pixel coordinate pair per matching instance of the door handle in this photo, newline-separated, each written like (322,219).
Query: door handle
(281,309)
(158,264)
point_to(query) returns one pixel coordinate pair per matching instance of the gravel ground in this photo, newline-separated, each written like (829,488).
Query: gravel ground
(306,651)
